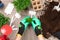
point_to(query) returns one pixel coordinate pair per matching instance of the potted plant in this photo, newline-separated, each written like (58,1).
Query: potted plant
(3,20)
(21,4)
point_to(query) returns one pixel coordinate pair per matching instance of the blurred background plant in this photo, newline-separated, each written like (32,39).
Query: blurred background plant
(21,4)
(3,20)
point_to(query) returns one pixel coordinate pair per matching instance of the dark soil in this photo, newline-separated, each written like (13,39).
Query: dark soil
(50,20)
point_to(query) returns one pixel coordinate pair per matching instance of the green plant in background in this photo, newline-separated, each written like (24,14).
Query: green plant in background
(3,20)
(21,4)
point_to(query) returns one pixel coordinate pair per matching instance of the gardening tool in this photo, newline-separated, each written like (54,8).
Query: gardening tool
(32,13)
(9,8)
(16,16)
(57,7)
(11,20)
(14,28)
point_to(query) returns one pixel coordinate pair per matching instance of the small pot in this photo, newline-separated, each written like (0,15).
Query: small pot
(4,37)
(6,29)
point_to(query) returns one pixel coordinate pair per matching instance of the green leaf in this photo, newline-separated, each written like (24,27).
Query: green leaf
(29,20)
(21,4)
(3,20)
(39,27)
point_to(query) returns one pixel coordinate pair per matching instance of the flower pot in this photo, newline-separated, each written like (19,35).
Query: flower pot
(6,29)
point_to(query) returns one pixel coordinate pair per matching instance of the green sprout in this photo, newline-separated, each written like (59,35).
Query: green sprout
(20,25)
(39,27)
(29,20)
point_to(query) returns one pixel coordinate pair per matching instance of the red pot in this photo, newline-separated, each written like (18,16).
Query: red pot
(4,37)
(6,29)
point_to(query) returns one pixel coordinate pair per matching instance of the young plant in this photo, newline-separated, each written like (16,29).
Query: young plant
(21,4)
(3,20)
(29,20)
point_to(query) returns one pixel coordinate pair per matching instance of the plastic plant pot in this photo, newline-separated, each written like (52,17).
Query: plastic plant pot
(6,30)
(1,4)
(4,37)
